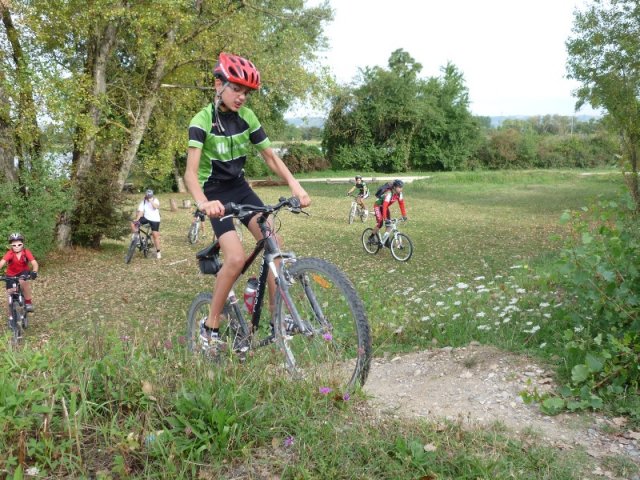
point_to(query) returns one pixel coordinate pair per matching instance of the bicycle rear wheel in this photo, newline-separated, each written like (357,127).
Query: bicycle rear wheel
(132,249)
(235,331)
(192,236)
(401,247)
(331,347)
(369,247)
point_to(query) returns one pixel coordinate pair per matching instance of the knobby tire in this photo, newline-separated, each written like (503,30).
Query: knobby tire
(401,247)
(192,236)
(332,345)
(234,329)
(371,248)
(132,250)
(352,213)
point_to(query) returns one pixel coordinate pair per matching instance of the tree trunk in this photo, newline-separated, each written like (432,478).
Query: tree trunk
(178,178)
(632,179)
(96,66)
(148,104)
(27,136)
(7,139)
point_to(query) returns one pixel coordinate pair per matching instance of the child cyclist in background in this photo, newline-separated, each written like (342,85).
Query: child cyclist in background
(148,213)
(363,193)
(219,139)
(17,260)
(381,207)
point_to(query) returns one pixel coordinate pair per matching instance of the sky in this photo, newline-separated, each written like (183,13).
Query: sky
(511,53)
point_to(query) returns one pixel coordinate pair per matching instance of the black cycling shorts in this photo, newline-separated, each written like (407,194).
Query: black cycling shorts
(155,226)
(236,191)
(11,283)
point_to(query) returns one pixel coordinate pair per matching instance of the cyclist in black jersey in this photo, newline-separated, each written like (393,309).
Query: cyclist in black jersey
(222,133)
(363,193)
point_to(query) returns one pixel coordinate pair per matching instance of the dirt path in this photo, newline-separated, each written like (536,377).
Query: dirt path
(479,385)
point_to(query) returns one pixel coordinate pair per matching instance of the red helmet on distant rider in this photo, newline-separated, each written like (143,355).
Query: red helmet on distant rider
(236,69)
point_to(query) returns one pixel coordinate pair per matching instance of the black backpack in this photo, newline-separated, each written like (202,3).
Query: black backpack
(383,188)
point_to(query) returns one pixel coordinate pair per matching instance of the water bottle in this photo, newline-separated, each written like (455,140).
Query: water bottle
(250,294)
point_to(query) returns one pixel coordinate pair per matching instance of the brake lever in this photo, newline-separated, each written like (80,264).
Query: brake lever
(298,210)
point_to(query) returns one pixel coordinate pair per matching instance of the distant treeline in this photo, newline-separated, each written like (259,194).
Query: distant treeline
(550,141)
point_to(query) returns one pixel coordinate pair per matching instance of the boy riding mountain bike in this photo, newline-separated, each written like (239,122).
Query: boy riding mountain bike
(17,260)
(391,193)
(363,193)
(221,133)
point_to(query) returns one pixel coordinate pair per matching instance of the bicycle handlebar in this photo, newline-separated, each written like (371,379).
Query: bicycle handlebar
(22,276)
(241,210)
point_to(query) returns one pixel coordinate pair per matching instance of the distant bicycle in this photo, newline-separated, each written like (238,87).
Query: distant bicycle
(357,211)
(197,224)
(140,240)
(399,243)
(19,316)
(196,229)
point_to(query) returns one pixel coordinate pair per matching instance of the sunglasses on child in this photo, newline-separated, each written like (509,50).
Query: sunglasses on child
(16,244)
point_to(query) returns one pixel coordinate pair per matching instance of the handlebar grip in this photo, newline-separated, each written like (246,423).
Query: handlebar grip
(230,208)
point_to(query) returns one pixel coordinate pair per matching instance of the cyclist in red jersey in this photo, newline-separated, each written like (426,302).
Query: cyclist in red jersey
(381,207)
(17,260)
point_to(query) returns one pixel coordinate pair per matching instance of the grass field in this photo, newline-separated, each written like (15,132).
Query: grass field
(104,361)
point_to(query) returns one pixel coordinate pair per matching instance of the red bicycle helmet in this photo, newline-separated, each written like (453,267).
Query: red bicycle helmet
(235,69)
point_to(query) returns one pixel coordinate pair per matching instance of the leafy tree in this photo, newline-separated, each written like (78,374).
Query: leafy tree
(102,66)
(394,120)
(604,54)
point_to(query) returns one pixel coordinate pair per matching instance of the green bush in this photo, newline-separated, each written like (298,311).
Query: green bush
(600,274)
(301,158)
(255,167)
(34,208)
(99,208)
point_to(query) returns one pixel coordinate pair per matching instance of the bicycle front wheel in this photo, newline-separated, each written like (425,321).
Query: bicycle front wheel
(401,247)
(371,245)
(364,214)
(330,343)
(16,322)
(131,250)
(352,213)
(192,236)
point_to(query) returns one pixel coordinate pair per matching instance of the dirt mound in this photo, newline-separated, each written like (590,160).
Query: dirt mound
(479,385)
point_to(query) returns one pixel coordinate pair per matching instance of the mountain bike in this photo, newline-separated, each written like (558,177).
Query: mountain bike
(357,210)
(399,243)
(197,224)
(195,227)
(19,316)
(319,322)
(140,240)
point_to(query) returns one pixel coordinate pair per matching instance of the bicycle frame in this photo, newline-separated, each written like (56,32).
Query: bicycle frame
(15,301)
(392,232)
(272,252)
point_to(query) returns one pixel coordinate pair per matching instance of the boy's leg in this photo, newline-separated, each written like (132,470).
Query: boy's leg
(26,292)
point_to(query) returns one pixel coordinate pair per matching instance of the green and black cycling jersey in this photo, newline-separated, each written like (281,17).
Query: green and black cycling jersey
(362,187)
(224,151)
